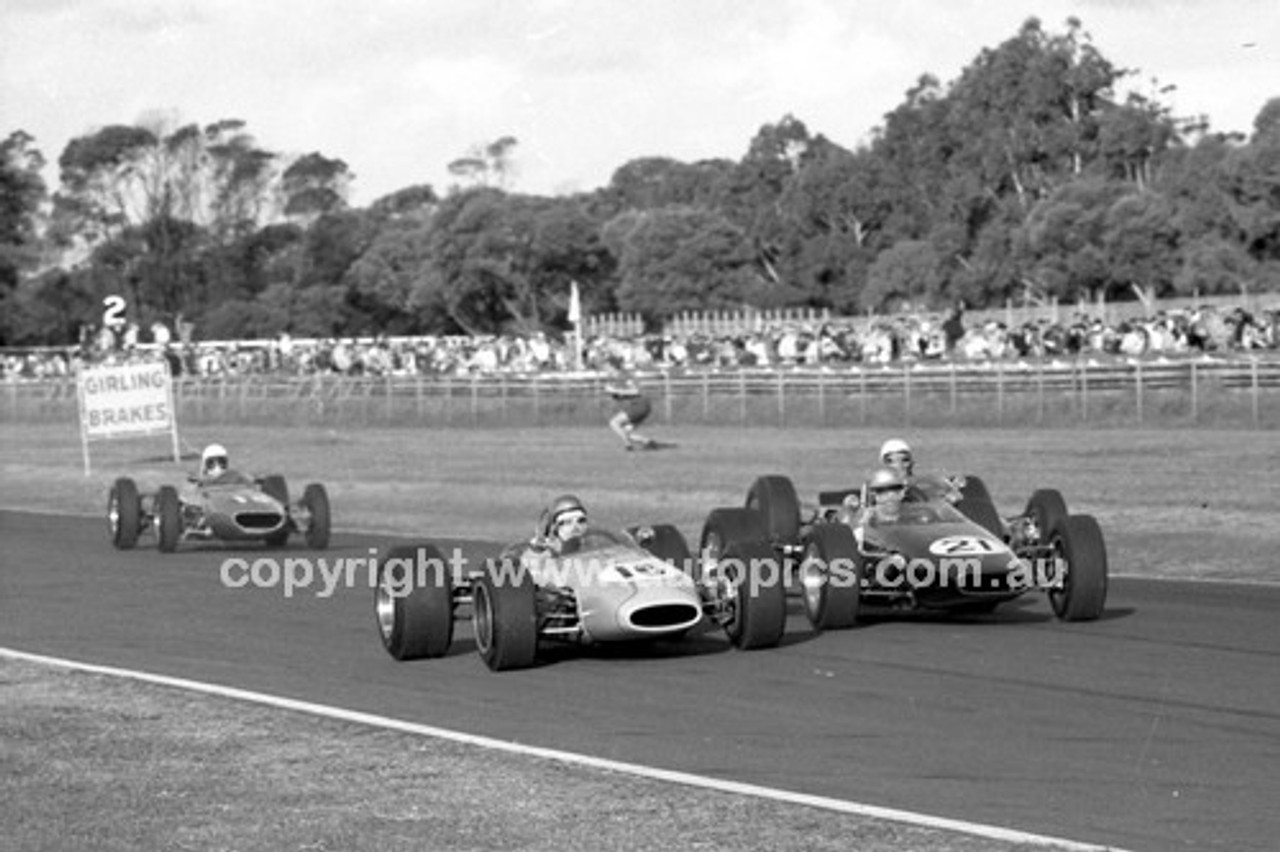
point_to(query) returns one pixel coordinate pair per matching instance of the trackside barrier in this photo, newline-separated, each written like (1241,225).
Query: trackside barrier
(1236,391)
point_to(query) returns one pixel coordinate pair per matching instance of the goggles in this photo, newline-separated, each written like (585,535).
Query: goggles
(898,457)
(890,489)
(219,462)
(575,519)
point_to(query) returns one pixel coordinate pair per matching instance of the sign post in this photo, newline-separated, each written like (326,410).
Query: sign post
(575,317)
(124,401)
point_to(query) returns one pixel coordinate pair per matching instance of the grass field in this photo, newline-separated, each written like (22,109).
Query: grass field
(91,762)
(1196,503)
(94,762)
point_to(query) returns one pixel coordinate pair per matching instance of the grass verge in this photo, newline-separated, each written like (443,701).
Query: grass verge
(93,762)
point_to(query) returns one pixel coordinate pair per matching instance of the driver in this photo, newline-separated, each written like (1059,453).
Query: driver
(214,462)
(566,524)
(885,491)
(895,455)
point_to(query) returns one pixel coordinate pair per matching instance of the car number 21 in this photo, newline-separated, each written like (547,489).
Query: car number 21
(965,545)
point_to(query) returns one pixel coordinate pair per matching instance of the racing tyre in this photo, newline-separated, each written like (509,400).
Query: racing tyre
(1078,542)
(723,529)
(831,577)
(1047,508)
(168,518)
(774,497)
(315,499)
(275,486)
(505,619)
(665,542)
(415,611)
(976,505)
(759,596)
(124,513)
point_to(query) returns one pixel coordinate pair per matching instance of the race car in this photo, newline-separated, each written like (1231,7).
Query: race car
(615,586)
(947,549)
(233,507)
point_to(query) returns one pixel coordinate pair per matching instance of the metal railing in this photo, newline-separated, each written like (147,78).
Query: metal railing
(1236,391)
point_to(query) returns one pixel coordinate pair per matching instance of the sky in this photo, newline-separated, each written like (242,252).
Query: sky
(398,89)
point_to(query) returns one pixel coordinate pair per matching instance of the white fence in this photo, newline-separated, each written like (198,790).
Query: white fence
(1238,391)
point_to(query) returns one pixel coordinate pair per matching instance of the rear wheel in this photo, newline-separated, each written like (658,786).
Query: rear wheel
(1077,541)
(275,486)
(505,619)
(315,499)
(124,513)
(414,607)
(976,505)
(665,542)
(723,529)
(774,497)
(752,575)
(1047,509)
(831,577)
(168,518)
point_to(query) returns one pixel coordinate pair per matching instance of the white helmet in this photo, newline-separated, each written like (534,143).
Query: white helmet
(894,445)
(214,453)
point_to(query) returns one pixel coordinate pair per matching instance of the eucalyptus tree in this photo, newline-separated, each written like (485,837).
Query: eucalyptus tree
(22,196)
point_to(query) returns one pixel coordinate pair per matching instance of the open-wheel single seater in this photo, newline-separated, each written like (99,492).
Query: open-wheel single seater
(233,507)
(948,549)
(636,585)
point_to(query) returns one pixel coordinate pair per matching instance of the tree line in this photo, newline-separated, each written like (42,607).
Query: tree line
(1026,177)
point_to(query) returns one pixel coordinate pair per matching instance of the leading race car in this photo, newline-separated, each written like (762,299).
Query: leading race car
(947,548)
(232,507)
(612,587)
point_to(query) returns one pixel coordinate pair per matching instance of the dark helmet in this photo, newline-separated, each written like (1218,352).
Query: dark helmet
(564,504)
(885,479)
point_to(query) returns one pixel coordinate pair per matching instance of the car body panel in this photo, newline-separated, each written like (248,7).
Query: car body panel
(620,590)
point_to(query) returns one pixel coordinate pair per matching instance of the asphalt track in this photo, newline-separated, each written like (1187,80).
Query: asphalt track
(1154,728)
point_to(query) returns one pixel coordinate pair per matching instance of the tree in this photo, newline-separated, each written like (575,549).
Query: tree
(1141,244)
(682,258)
(22,195)
(314,185)
(903,276)
(488,165)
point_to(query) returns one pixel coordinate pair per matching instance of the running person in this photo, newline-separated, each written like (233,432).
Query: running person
(633,409)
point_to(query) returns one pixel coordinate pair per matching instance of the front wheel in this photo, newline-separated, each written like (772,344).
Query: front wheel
(124,513)
(831,577)
(315,499)
(168,518)
(753,575)
(414,602)
(504,616)
(1077,542)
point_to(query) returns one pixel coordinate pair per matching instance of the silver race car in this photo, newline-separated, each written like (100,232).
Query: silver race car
(637,585)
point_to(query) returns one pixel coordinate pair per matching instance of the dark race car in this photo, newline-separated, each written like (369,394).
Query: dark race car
(948,549)
(232,507)
(612,587)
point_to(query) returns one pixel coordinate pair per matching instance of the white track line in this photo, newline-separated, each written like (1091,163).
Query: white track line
(670,776)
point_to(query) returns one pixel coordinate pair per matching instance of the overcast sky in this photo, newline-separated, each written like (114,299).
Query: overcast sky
(399,88)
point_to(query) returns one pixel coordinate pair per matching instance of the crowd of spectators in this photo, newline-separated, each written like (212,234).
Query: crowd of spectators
(875,341)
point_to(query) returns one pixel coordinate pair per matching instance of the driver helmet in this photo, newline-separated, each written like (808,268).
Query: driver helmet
(895,453)
(214,460)
(886,486)
(568,517)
